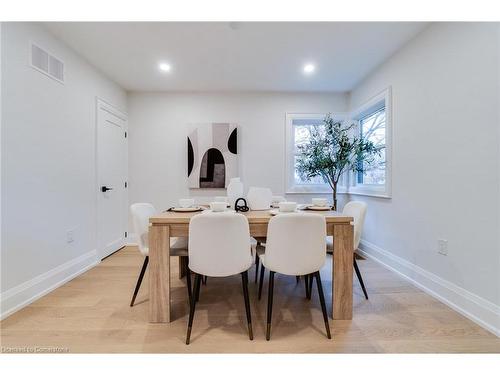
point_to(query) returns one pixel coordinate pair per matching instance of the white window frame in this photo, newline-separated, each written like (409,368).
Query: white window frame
(290,186)
(382,191)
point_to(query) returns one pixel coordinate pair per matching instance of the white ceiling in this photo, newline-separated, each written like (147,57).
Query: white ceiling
(236,56)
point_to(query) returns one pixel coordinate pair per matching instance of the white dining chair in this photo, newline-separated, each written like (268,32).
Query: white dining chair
(357,210)
(141,212)
(259,198)
(295,246)
(219,246)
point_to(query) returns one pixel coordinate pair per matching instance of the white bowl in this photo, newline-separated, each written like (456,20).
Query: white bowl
(218,206)
(277,199)
(186,202)
(319,202)
(288,206)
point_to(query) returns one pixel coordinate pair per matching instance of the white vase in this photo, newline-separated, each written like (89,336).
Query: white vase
(234,190)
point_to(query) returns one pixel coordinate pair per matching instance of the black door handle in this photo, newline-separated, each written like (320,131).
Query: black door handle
(105,189)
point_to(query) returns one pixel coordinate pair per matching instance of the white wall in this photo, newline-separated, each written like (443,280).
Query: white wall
(158,126)
(48,165)
(445,89)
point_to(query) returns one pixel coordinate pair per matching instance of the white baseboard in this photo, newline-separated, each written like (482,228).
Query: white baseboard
(483,312)
(22,295)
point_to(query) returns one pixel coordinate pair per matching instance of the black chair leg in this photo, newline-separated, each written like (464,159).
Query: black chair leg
(360,278)
(323,305)
(256,267)
(270,305)
(261,281)
(197,282)
(244,281)
(196,295)
(139,280)
(188,283)
(306,283)
(297,279)
(311,277)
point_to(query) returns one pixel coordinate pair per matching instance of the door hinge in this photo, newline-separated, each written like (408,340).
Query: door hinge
(126,184)
(125,234)
(125,134)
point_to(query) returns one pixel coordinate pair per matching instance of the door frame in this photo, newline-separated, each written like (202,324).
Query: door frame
(101,103)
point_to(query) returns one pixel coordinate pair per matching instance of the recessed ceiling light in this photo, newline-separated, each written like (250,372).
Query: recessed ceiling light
(164,67)
(309,68)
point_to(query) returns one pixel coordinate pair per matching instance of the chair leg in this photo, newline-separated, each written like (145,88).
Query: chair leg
(244,281)
(204,280)
(182,266)
(311,277)
(360,278)
(139,280)
(261,281)
(270,305)
(197,282)
(256,267)
(188,283)
(196,295)
(297,279)
(323,305)
(306,284)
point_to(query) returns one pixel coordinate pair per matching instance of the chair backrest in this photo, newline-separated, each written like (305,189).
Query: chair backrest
(296,243)
(141,212)
(259,198)
(357,210)
(219,244)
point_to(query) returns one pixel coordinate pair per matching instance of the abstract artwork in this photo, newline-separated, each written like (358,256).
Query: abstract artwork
(212,155)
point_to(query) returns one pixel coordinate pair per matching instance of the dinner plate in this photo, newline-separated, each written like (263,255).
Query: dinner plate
(318,208)
(187,209)
(277,212)
(216,212)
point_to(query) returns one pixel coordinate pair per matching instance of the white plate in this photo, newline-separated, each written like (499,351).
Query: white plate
(216,212)
(187,209)
(318,208)
(277,212)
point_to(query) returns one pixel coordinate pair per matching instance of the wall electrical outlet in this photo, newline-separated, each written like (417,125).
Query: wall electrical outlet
(443,247)
(70,236)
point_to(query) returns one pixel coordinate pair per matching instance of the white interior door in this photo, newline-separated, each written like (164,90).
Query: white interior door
(111,178)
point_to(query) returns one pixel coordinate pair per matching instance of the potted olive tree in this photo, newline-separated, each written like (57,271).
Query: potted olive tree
(333,149)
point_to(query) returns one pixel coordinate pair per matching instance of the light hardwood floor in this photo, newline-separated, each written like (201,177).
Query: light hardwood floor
(91,314)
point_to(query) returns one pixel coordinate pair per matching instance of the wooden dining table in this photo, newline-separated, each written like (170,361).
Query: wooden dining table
(176,224)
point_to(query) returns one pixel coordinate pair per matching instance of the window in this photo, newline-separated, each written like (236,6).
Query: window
(298,132)
(374,124)
(372,128)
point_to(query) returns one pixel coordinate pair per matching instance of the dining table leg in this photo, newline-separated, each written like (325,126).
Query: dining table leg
(159,274)
(343,244)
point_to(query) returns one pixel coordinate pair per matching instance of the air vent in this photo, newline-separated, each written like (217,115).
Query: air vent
(46,63)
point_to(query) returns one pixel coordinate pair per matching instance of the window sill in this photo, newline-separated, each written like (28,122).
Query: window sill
(374,194)
(319,190)
(313,190)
